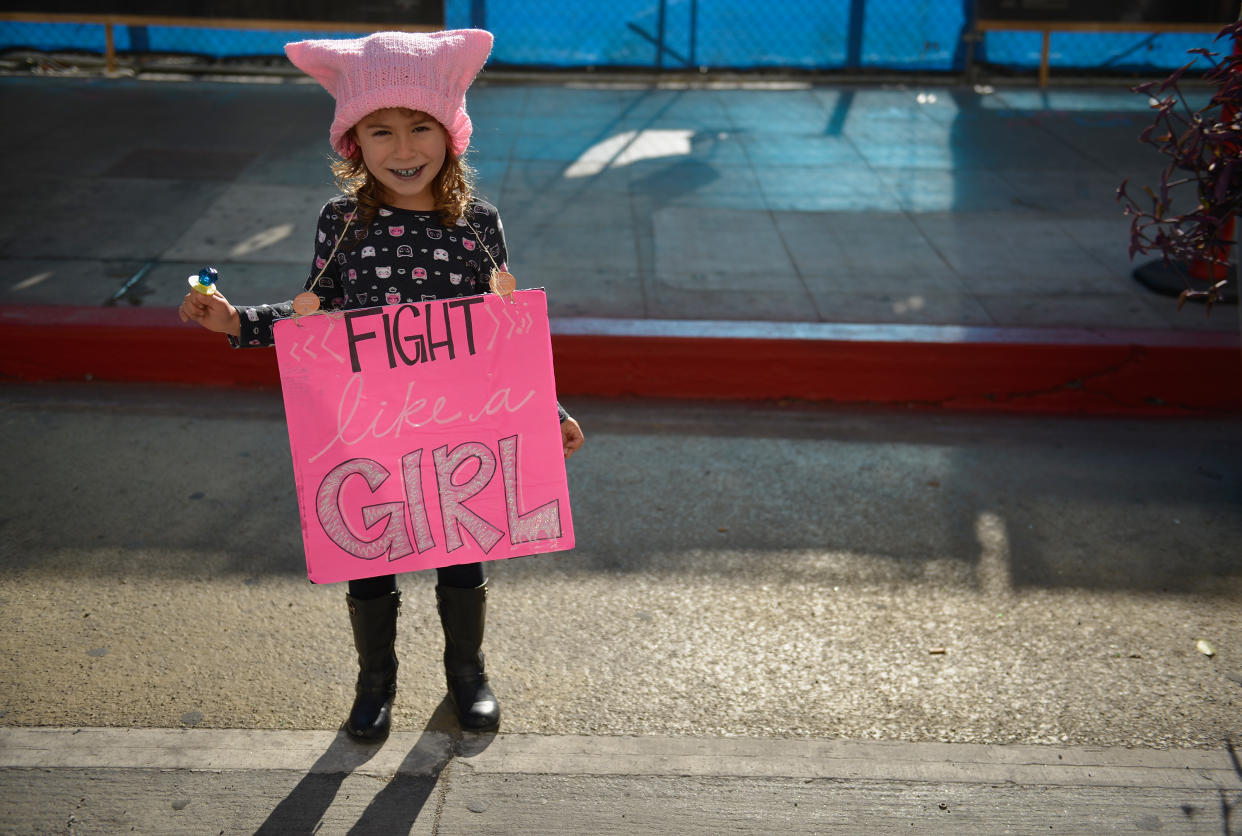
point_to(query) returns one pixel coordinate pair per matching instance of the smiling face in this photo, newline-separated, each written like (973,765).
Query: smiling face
(404,150)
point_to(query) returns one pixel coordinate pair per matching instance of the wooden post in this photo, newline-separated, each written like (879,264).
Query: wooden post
(1043,59)
(109,49)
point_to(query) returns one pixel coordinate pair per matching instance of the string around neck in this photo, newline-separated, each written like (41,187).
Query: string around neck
(500,282)
(308,298)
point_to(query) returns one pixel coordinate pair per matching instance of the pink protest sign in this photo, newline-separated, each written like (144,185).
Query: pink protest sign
(424,435)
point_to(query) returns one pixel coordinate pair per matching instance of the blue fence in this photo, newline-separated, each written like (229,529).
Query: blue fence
(911,35)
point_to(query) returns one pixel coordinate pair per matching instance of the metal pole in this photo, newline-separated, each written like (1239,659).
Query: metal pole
(660,37)
(970,37)
(853,54)
(694,32)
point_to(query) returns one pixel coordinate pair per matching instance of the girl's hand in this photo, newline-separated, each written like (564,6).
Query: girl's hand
(571,436)
(212,312)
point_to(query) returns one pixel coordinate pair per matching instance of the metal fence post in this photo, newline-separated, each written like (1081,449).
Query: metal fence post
(660,36)
(858,15)
(970,43)
(694,31)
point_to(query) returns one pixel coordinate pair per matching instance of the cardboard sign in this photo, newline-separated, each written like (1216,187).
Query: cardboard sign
(424,435)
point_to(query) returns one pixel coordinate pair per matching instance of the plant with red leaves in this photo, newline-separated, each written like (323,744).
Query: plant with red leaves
(1204,148)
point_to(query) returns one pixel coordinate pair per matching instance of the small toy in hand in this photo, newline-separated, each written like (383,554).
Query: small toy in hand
(205,281)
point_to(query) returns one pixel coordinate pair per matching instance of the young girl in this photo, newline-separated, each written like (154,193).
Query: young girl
(406,229)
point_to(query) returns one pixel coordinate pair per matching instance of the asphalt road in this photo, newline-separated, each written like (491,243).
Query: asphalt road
(741,571)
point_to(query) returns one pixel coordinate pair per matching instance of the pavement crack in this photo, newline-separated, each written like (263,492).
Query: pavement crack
(441,796)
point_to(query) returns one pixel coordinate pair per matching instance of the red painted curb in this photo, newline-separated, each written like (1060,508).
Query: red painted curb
(1012,370)
(127,345)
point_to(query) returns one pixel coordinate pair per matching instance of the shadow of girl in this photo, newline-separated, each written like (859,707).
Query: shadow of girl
(396,807)
(302,810)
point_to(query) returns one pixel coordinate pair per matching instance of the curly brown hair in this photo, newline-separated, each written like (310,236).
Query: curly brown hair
(452,188)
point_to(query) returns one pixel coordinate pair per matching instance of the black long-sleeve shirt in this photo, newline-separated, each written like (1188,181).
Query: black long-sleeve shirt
(403,256)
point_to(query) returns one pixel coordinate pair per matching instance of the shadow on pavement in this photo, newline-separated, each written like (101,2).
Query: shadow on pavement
(302,809)
(1045,502)
(396,807)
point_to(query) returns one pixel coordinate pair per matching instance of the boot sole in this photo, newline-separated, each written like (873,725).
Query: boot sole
(359,738)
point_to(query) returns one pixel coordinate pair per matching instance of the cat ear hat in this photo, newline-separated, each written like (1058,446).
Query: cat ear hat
(427,71)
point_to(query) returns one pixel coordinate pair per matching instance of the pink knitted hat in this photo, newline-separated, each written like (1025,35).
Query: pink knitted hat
(422,71)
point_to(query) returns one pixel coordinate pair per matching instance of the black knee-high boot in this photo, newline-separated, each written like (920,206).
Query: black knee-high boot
(463,613)
(374,621)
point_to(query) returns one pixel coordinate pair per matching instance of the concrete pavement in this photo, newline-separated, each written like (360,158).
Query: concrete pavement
(197,781)
(782,201)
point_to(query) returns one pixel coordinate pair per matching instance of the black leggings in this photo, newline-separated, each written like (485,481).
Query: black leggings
(463,576)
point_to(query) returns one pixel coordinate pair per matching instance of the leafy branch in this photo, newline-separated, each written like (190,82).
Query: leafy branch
(1204,148)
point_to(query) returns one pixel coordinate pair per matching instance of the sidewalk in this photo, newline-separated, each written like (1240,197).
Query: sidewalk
(938,246)
(433,782)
